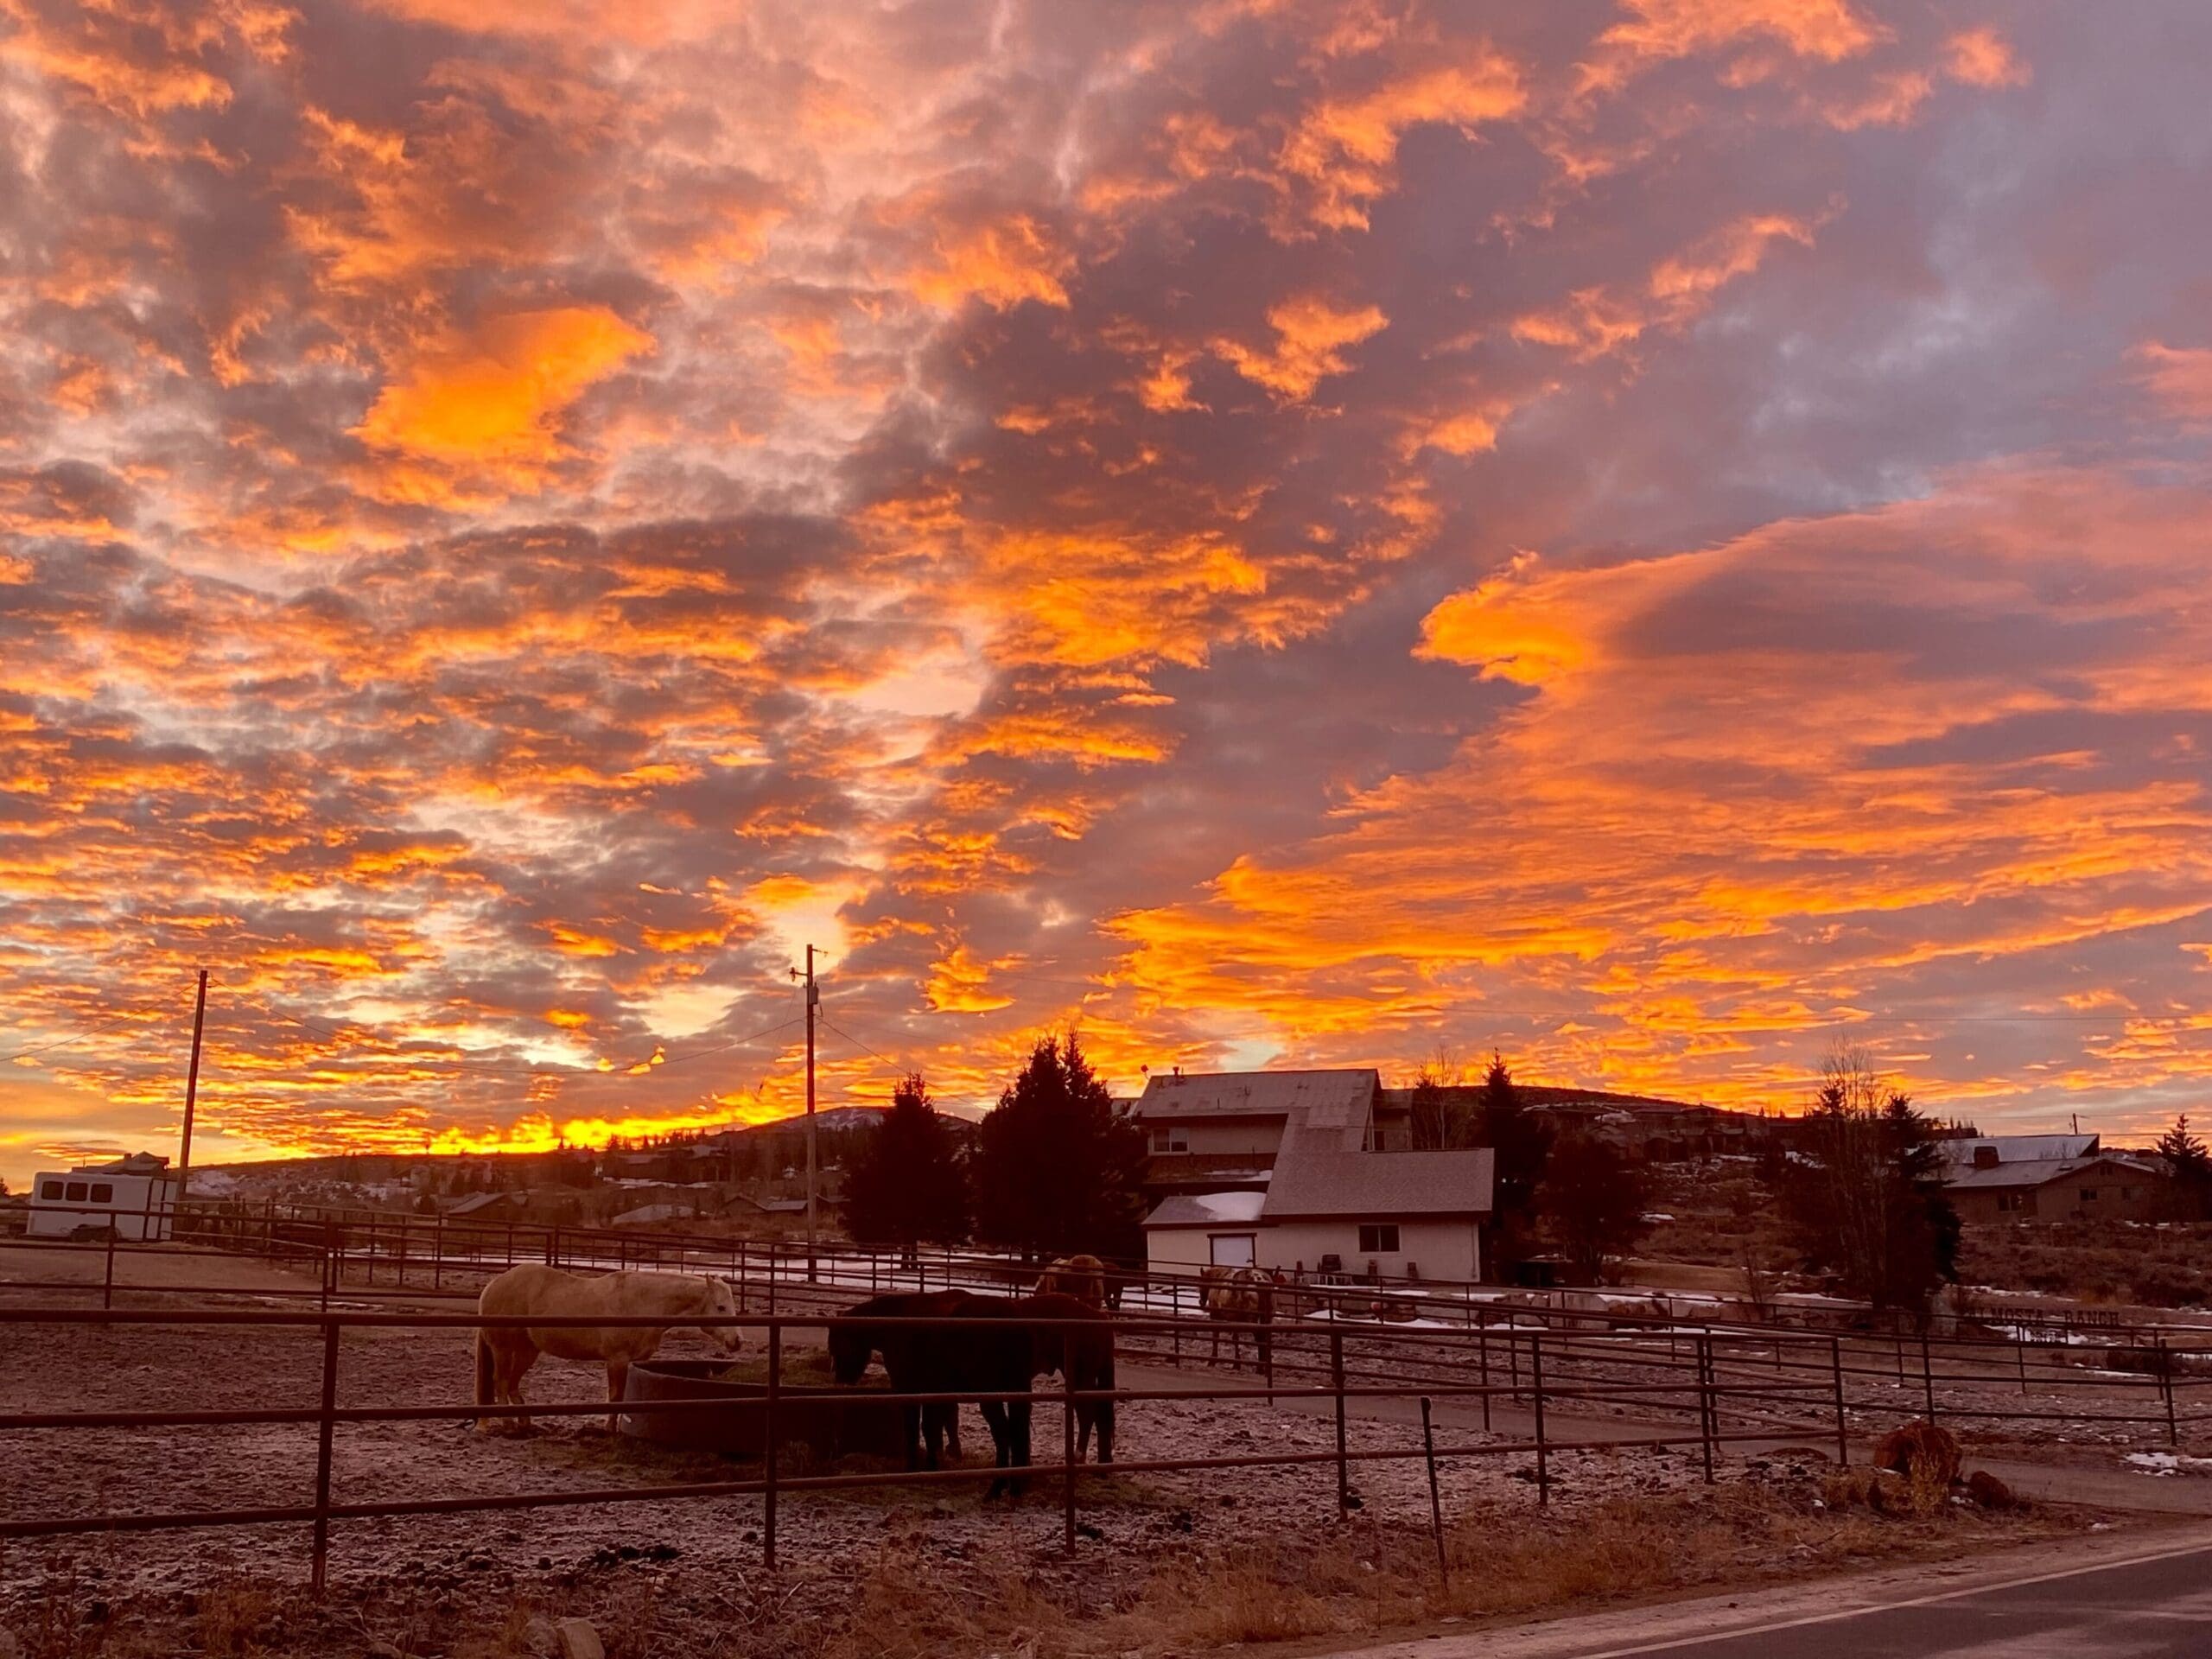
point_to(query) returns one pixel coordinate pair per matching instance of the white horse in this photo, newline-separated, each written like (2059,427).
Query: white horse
(568,1301)
(1236,1296)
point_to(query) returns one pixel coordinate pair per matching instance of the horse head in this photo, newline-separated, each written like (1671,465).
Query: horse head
(722,1304)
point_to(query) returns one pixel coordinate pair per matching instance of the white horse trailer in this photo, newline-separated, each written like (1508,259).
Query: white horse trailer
(89,1201)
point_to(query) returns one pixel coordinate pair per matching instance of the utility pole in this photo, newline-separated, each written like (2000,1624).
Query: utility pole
(191,1097)
(813,999)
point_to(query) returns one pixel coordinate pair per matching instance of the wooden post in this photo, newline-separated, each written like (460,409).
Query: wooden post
(107,1285)
(768,1445)
(1435,1502)
(1536,1387)
(1927,1377)
(1842,1437)
(1067,1438)
(1337,1379)
(325,1425)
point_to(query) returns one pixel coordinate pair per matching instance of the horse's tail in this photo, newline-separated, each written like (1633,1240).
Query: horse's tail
(483,1373)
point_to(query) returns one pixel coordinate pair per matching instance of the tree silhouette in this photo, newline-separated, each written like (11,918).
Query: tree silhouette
(1867,1202)
(2190,1166)
(1520,1143)
(906,1184)
(1059,1169)
(1594,1200)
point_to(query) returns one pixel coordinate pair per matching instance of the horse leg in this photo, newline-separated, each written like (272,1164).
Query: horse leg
(519,1361)
(618,1372)
(994,1416)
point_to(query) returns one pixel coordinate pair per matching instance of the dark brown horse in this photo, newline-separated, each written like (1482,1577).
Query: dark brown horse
(1025,1336)
(907,1351)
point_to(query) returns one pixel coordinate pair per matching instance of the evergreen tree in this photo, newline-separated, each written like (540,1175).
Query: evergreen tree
(1058,1168)
(2190,1166)
(906,1184)
(1520,1143)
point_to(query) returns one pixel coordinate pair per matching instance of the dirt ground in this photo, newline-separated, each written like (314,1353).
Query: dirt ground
(683,1578)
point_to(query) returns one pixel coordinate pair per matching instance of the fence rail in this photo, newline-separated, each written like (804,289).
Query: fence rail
(1709,1389)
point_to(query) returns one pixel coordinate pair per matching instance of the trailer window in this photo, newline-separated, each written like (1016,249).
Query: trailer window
(102,1192)
(1378,1238)
(76,1194)
(50,1190)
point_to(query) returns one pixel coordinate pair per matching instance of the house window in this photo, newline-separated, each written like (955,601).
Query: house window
(2089,1195)
(1231,1249)
(102,1192)
(1378,1238)
(2127,1192)
(76,1192)
(1171,1140)
(50,1190)
(2011,1201)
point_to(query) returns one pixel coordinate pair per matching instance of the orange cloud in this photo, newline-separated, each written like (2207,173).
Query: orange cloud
(1827,30)
(1310,335)
(2180,379)
(1345,147)
(1982,57)
(494,395)
(1000,264)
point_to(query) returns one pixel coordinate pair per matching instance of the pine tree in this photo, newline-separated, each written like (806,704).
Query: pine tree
(1594,1200)
(907,1183)
(1520,1144)
(1059,1169)
(2190,1166)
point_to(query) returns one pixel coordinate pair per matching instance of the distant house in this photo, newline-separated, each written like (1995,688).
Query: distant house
(2064,1177)
(1219,1131)
(1378,1215)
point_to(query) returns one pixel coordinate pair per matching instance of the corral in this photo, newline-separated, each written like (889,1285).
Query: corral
(155,1409)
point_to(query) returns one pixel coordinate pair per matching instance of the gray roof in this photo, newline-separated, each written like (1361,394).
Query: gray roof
(1206,1210)
(1324,1099)
(2037,1171)
(2019,1148)
(1311,1181)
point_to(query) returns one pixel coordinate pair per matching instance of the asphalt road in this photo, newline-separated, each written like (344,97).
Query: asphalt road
(2138,1610)
(2154,1603)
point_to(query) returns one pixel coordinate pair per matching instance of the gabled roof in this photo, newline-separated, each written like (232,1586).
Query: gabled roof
(1330,1099)
(2018,1148)
(2040,1172)
(1311,1181)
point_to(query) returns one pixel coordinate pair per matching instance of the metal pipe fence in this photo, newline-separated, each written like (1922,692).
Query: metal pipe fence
(1729,1388)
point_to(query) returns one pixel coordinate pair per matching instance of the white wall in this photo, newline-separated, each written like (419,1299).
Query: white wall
(1443,1248)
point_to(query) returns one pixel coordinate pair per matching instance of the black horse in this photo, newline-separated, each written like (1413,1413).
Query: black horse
(903,1348)
(1024,1336)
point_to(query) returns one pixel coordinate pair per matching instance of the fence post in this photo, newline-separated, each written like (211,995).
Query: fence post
(2020,1353)
(1842,1438)
(772,1278)
(1337,1382)
(1927,1377)
(324,1423)
(1482,1331)
(1175,1318)
(2166,1389)
(1537,1388)
(1705,1411)
(768,1448)
(438,1254)
(1435,1502)
(107,1285)
(1067,1437)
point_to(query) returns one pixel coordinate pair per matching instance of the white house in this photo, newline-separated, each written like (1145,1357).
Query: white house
(133,1195)
(1331,1206)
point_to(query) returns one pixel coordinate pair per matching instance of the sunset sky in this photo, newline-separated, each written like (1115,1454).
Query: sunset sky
(1647,534)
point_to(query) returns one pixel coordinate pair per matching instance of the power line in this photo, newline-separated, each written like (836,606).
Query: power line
(856,1043)
(48,1048)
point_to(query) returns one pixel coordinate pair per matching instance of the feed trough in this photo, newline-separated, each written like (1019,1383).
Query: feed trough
(830,1423)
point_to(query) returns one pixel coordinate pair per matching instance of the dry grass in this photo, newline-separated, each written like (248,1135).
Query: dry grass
(915,1599)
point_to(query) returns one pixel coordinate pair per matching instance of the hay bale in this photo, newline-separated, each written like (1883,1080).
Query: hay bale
(1923,1452)
(1988,1492)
